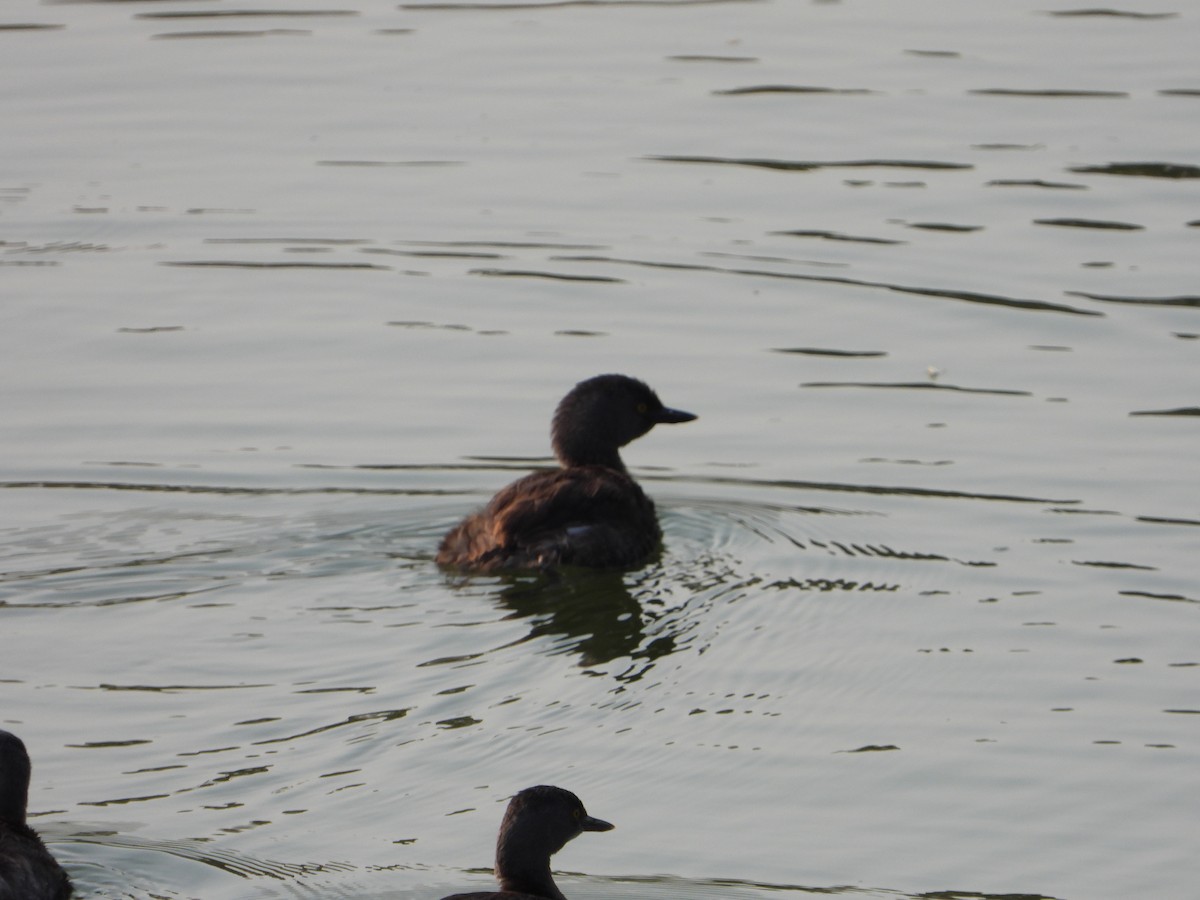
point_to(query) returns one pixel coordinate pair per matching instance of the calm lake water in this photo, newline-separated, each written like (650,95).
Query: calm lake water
(289,287)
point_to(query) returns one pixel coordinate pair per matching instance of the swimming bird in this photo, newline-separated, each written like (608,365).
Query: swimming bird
(537,824)
(27,870)
(587,512)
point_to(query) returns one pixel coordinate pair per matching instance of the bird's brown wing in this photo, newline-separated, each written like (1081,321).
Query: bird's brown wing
(582,515)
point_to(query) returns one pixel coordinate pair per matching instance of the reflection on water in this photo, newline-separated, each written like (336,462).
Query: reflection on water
(594,613)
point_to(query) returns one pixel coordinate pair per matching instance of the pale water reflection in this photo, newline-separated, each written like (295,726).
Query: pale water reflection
(290,290)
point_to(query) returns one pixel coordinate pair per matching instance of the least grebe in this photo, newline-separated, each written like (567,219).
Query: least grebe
(27,870)
(588,512)
(537,824)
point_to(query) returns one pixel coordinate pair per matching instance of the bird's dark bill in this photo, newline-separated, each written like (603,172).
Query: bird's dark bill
(667,416)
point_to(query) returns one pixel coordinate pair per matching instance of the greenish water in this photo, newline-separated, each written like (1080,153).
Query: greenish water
(287,295)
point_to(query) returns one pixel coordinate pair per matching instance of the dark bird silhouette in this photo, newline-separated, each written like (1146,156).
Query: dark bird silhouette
(588,512)
(27,870)
(537,824)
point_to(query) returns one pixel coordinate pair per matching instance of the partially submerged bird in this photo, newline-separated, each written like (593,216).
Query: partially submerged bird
(588,512)
(537,824)
(27,870)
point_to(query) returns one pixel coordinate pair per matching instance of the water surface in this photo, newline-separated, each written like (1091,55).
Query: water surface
(289,289)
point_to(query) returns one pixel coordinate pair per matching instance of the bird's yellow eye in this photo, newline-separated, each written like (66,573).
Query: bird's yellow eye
(578,812)
(642,408)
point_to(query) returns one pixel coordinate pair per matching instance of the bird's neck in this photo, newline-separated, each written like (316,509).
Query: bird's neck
(525,877)
(12,805)
(574,452)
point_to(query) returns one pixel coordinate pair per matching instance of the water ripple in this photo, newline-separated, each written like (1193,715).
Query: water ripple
(791,165)
(948,294)
(1142,169)
(201,851)
(917,386)
(560,4)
